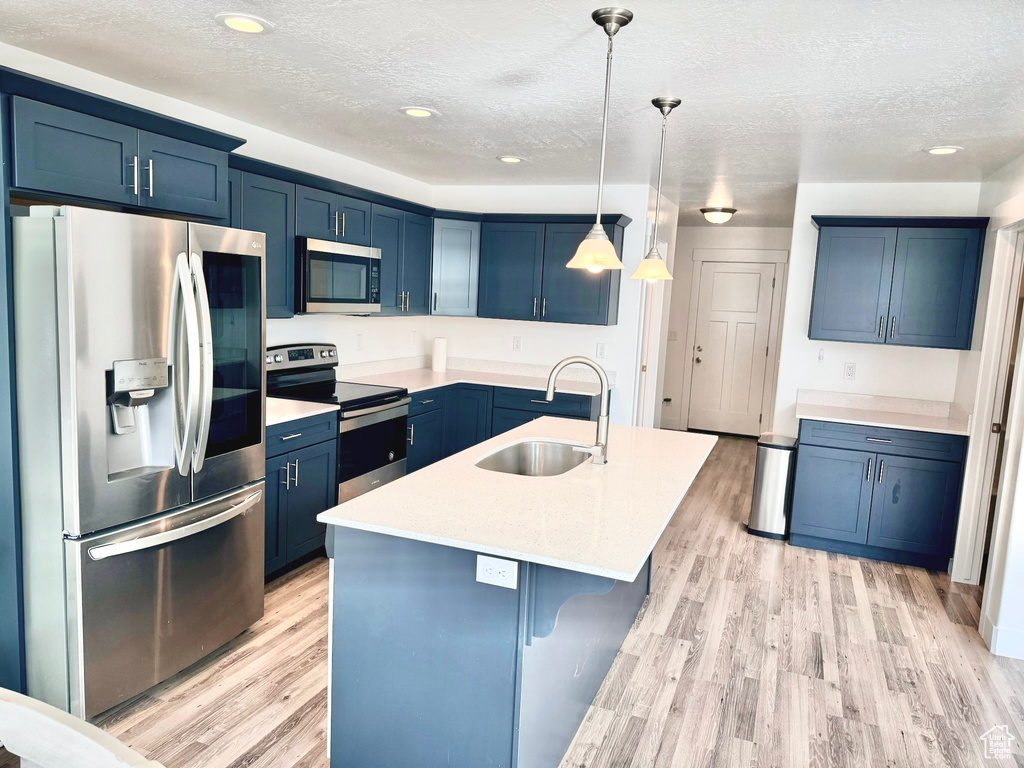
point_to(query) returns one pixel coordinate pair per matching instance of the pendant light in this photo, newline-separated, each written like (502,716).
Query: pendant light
(596,252)
(653,266)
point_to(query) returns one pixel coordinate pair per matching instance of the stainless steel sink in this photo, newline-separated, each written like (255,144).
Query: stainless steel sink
(535,458)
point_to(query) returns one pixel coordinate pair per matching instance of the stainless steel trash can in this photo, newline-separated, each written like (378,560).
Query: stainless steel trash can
(773,471)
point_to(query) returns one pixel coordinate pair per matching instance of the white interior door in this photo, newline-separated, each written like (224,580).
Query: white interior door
(730,351)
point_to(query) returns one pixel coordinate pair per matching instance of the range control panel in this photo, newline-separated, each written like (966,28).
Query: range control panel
(293,356)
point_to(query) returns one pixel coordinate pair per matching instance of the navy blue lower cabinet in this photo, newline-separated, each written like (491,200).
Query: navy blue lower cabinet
(511,262)
(504,419)
(312,490)
(275,539)
(934,287)
(426,439)
(182,177)
(268,205)
(915,505)
(832,493)
(430,667)
(467,409)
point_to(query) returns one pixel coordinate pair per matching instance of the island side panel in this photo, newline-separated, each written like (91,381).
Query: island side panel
(423,657)
(564,663)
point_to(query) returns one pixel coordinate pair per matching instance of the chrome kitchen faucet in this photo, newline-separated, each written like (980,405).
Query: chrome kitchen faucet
(600,449)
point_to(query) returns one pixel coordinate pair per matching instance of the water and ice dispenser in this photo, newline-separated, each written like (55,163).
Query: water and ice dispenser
(140,407)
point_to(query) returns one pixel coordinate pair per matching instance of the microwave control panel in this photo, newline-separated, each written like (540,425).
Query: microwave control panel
(375,282)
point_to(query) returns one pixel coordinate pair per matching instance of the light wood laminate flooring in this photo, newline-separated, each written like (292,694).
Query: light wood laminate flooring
(749,652)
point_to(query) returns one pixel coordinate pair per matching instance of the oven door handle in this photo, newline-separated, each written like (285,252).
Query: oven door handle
(375,409)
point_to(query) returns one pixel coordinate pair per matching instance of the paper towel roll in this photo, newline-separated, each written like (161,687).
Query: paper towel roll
(439,360)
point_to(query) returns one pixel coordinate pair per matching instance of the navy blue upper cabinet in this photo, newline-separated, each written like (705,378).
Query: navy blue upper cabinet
(915,504)
(179,176)
(234,198)
(903,283)
(328,216)
(935,280)
(268,206)
(832,493)
(415,263)
(387,232)
(69,154)
(576,295)
(852,281)
(511,261)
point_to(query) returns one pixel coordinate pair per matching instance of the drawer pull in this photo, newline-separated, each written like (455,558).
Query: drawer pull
(291,437)
(541,402)
(426,402)
(877,440)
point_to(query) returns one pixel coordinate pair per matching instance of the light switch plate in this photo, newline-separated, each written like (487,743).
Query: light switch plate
(497,571)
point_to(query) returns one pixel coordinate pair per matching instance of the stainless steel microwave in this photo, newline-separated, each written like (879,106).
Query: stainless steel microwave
(336,278)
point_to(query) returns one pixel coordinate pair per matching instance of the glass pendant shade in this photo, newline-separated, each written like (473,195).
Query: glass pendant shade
(652,267)
(596,252)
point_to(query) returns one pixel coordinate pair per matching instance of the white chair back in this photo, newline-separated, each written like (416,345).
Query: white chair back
(46,737)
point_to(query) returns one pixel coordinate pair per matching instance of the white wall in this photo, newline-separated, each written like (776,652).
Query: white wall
(929,374)
(387,338)
(485,339)
(677,356)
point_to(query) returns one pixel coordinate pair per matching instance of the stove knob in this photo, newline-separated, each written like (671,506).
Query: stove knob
(278,359)
(333,353)
(323,353)
(270,358)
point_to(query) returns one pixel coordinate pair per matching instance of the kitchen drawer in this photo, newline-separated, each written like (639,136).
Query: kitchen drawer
(894,442)
(299,433)
(578,406)
(427,400)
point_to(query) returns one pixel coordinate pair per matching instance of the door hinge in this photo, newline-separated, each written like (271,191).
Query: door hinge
(773,282)
(759,417)
(766,351)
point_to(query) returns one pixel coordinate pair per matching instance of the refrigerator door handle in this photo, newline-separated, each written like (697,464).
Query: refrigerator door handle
(206,362)
(104,551)
(185,317)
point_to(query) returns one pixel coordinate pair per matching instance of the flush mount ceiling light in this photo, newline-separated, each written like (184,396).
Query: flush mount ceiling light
(596,252)
(718,215)
(652,266)
(418,111)
(510,159)
(244,22)
(946,149)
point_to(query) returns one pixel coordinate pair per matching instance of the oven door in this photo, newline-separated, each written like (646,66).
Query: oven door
(337,277)
(371,448)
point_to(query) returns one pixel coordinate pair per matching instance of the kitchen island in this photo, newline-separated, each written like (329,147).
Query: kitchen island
(433,663)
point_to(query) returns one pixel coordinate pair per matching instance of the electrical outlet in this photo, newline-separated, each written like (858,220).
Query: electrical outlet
(821,355)
(359,342)
(496,571)
(517,343)
(850,371)
(602,348)
(413,338)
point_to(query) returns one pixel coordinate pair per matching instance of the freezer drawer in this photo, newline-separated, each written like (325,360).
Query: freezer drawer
(149,600)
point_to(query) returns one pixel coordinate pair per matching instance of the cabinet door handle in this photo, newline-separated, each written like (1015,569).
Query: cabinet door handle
(135,175)
(881,470)
(877,440)
(881,325)
(342,223)
(426,402)
(150,166)
(291,437)
(287,482)
(544,307)
(534,306)
(296,473)
(335,223)
(892,328)
(868,476)
(435,301)
(412,433)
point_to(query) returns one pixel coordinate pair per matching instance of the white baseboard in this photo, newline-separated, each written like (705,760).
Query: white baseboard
(1002,641)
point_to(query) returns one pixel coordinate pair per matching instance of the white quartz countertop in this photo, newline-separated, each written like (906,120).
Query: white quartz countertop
(419,379)
(280,410)
(601,520)
(872,411)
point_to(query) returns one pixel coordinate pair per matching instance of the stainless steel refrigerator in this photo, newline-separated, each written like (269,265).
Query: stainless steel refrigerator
(140,381)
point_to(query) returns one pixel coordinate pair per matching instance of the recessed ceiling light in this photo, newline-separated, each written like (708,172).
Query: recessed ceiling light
(718,215)
(948,149)
(244,22)
(418,111)
(510,159)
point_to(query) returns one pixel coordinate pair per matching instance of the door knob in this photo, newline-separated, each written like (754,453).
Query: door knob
(697,360)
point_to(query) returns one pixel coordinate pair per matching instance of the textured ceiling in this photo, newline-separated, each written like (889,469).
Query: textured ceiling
(773,92)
